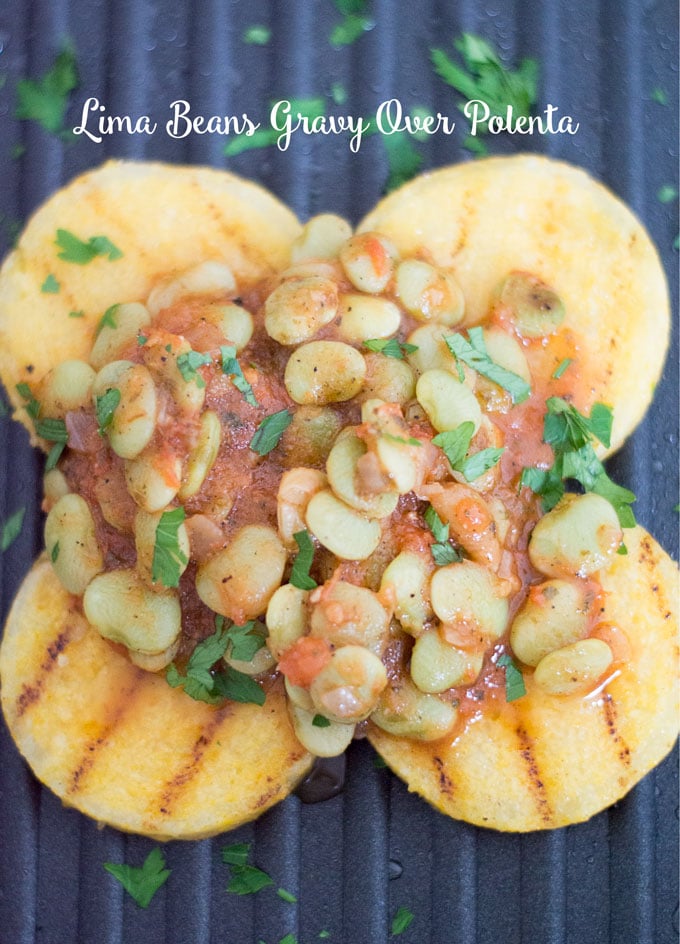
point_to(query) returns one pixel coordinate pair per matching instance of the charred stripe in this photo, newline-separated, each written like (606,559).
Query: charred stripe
(538,787)
(31,692)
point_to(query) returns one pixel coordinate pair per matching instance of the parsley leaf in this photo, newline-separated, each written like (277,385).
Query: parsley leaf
(50,286)
(32,406)
(189,363)
(443,554)
(237,686)
(243,642)
(286,896)
(514,680)
(54,430)
(299,575)
(455,444)
(231,367)
(310,108)
(443,551)
(45,100)
(257,35)
(270,431)
(76,314)
(105,407)
(484,77)
(236,854)
(561,367)
(401,921)
(659,96)
(169,559)
(141,883)
(54,553)
(73,249)
(667,193)
(108,319)
(403,160)
(349,7)
(473,353)
(350,29)
(11,529)
(319,721)
(248,879)
(390,348)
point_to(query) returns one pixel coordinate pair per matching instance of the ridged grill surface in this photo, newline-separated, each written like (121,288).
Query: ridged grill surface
(351,861)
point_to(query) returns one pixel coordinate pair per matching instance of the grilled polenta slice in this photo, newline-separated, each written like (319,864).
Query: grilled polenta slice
(544,761)
(119,744)
(162,219)
(489,217)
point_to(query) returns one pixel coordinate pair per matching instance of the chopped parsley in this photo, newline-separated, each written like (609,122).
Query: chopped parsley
(232,368)
(667,193)
(410,441)
(270,431)
(561,367)
(189,363)
(338,93)
(659,96)
(50,286)
(169,560)
(105,407)
(379,762)
(11,529)
(309,108)
(299,575)
(350,29)
(73,249)
(236,854)
(570,434)
(286,896)
(45,100)
(248,879)
(54,431)
(141,883)
(54,553)
(32,406)
(319,721)
(514,680)
(443,551)
(108,319)
(485,78)
(243,641)
(142,339)
(455,444)
(202,684)
(390,348)
(401,921)
(473,353)
(257,35)
(403,160)
(76,314)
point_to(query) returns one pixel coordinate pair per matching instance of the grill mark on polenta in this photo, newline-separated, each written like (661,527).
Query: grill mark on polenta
(610,719)
(31,692)
(538,787)
(94,746)
(445,782)
(191,768)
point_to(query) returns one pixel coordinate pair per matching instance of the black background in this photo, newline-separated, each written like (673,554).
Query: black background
(353,860)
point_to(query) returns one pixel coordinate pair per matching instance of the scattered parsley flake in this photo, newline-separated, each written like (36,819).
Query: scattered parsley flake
(50,286)
(105,407)
(53,456)
(76,314)
(514,681)
(443,551)
(485,78)
(323,935)
(659,96)
(18,151)
(443,554)
(410,441)
(270,431)
(32,406)
(141,883)
(561,367)
(188,365)
(309,108)
(455,444)
(473,353)
(244,641)
(248,879)
(390,348)
(289,939)
(319,721)
(338,93)
(350,29)
(236,854)
(232,368)
(54,553)
(403,160)
(73,249)
(142,339)
(622,550)
(169,560)
(299,575)
(108,319)
(667,193)
(401,921)
(257,35)
(379,762)
(11,528)
(45,100)
(286,896)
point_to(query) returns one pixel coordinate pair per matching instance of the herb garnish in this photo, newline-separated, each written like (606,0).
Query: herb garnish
(105,407)
(53,430)
(561,367)
(455,444)
(236,854)
(443,552)
(309,108)
(246,879)
(570,434)
(212,687)
(488,80)
(46,99)
(188,364)
(257,35)
(401,921)
(391,347)
(403,160)
(32,406)
(50,286)
(355,22)
(169,559)
(76,314)
(11,528)
(108,319)
(232,368)
(286,896)
(299,575)
(54,553)
(270,431)
(473,353)
(667,193)
(141,883)
(319,721)
(73,249)
(514,680)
